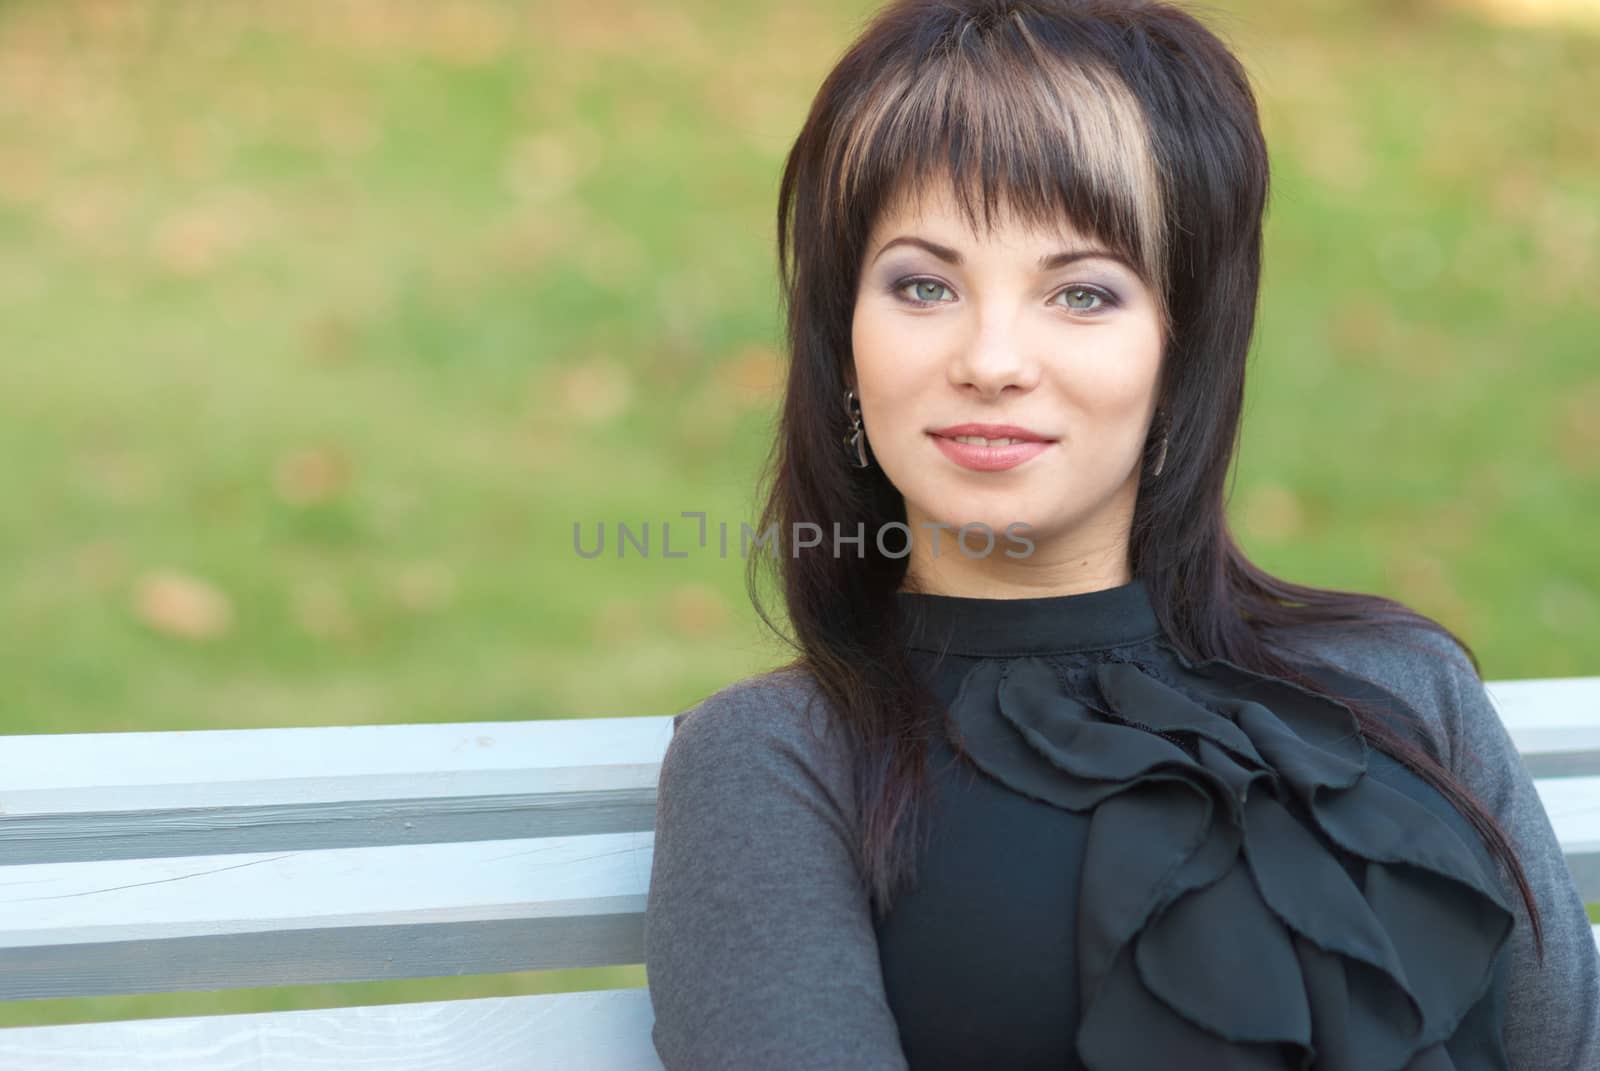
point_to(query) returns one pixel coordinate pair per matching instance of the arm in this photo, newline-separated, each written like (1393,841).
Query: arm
(1553,1009)
(759,945)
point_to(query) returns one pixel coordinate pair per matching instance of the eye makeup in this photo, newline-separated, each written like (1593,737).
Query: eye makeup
(900,287)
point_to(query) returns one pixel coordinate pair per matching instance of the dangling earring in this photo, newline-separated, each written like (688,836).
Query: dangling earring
(1161,455)
(856,440)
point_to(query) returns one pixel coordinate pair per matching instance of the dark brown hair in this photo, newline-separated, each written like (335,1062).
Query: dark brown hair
(1136,122)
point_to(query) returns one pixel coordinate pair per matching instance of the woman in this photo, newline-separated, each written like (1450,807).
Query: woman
(1078,786)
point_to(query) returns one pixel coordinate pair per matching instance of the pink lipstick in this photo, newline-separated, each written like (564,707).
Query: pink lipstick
(991,456)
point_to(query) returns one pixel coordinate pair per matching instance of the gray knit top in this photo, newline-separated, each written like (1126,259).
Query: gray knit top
(1133,861)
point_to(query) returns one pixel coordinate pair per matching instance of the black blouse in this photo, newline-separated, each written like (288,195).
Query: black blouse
(1148,863)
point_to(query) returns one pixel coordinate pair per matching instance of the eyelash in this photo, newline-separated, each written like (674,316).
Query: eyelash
(1108,300)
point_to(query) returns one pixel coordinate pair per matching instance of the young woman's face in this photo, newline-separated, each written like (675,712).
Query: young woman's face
(950,329)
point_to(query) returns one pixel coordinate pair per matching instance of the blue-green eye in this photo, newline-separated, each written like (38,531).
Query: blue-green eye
(923,291)
(1080,292)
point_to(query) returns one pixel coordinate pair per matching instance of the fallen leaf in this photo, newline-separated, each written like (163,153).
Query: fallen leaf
(597,390)
(1578,432)
(756,374)
(311,475)
(424,587)
(176,603)
(697,610)
(1273,512)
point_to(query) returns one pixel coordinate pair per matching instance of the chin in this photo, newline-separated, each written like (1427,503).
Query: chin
(990,510)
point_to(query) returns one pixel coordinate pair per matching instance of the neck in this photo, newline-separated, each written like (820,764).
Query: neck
(1092,554)
(998,577)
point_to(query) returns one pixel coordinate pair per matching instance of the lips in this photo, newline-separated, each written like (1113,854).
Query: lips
(998,458)
(992,431)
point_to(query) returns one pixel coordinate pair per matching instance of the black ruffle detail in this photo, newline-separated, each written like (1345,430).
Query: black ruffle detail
(1251,899)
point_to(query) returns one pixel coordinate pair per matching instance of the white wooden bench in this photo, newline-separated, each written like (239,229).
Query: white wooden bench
(150,862)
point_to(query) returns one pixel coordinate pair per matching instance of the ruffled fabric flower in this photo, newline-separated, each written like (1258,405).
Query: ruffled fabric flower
(1251,898)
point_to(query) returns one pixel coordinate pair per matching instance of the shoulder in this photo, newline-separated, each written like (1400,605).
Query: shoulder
(776,696)
(1428,672)
(783,705)
(761,734)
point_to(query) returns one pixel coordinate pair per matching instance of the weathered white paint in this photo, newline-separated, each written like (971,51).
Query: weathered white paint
(607,1030)
(139,795)
(332,915)
(61,773)
(1573,804)
(1554,723)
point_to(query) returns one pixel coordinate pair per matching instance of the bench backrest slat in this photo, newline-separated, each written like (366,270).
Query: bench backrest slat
(607,1030)
(99,796)
(342,914)
(1554,723)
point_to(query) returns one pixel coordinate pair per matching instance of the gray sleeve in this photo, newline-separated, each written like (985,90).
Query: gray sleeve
(760,950)
(1553,1009)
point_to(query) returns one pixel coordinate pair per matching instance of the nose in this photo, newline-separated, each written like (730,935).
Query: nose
(996,358)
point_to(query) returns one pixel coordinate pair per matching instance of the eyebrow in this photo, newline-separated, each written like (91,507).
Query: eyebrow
(1048,262)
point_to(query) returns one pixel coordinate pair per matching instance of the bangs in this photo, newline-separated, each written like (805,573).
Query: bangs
(987,111)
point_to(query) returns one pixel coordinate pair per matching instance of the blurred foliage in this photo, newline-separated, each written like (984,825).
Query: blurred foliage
(322,324)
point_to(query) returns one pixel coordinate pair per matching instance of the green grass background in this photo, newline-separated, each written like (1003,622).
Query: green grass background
(322,323)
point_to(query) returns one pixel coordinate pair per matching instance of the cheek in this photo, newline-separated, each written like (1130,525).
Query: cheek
(884,363)
(1114,375)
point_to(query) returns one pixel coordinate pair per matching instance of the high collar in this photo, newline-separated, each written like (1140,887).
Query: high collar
(968,625)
